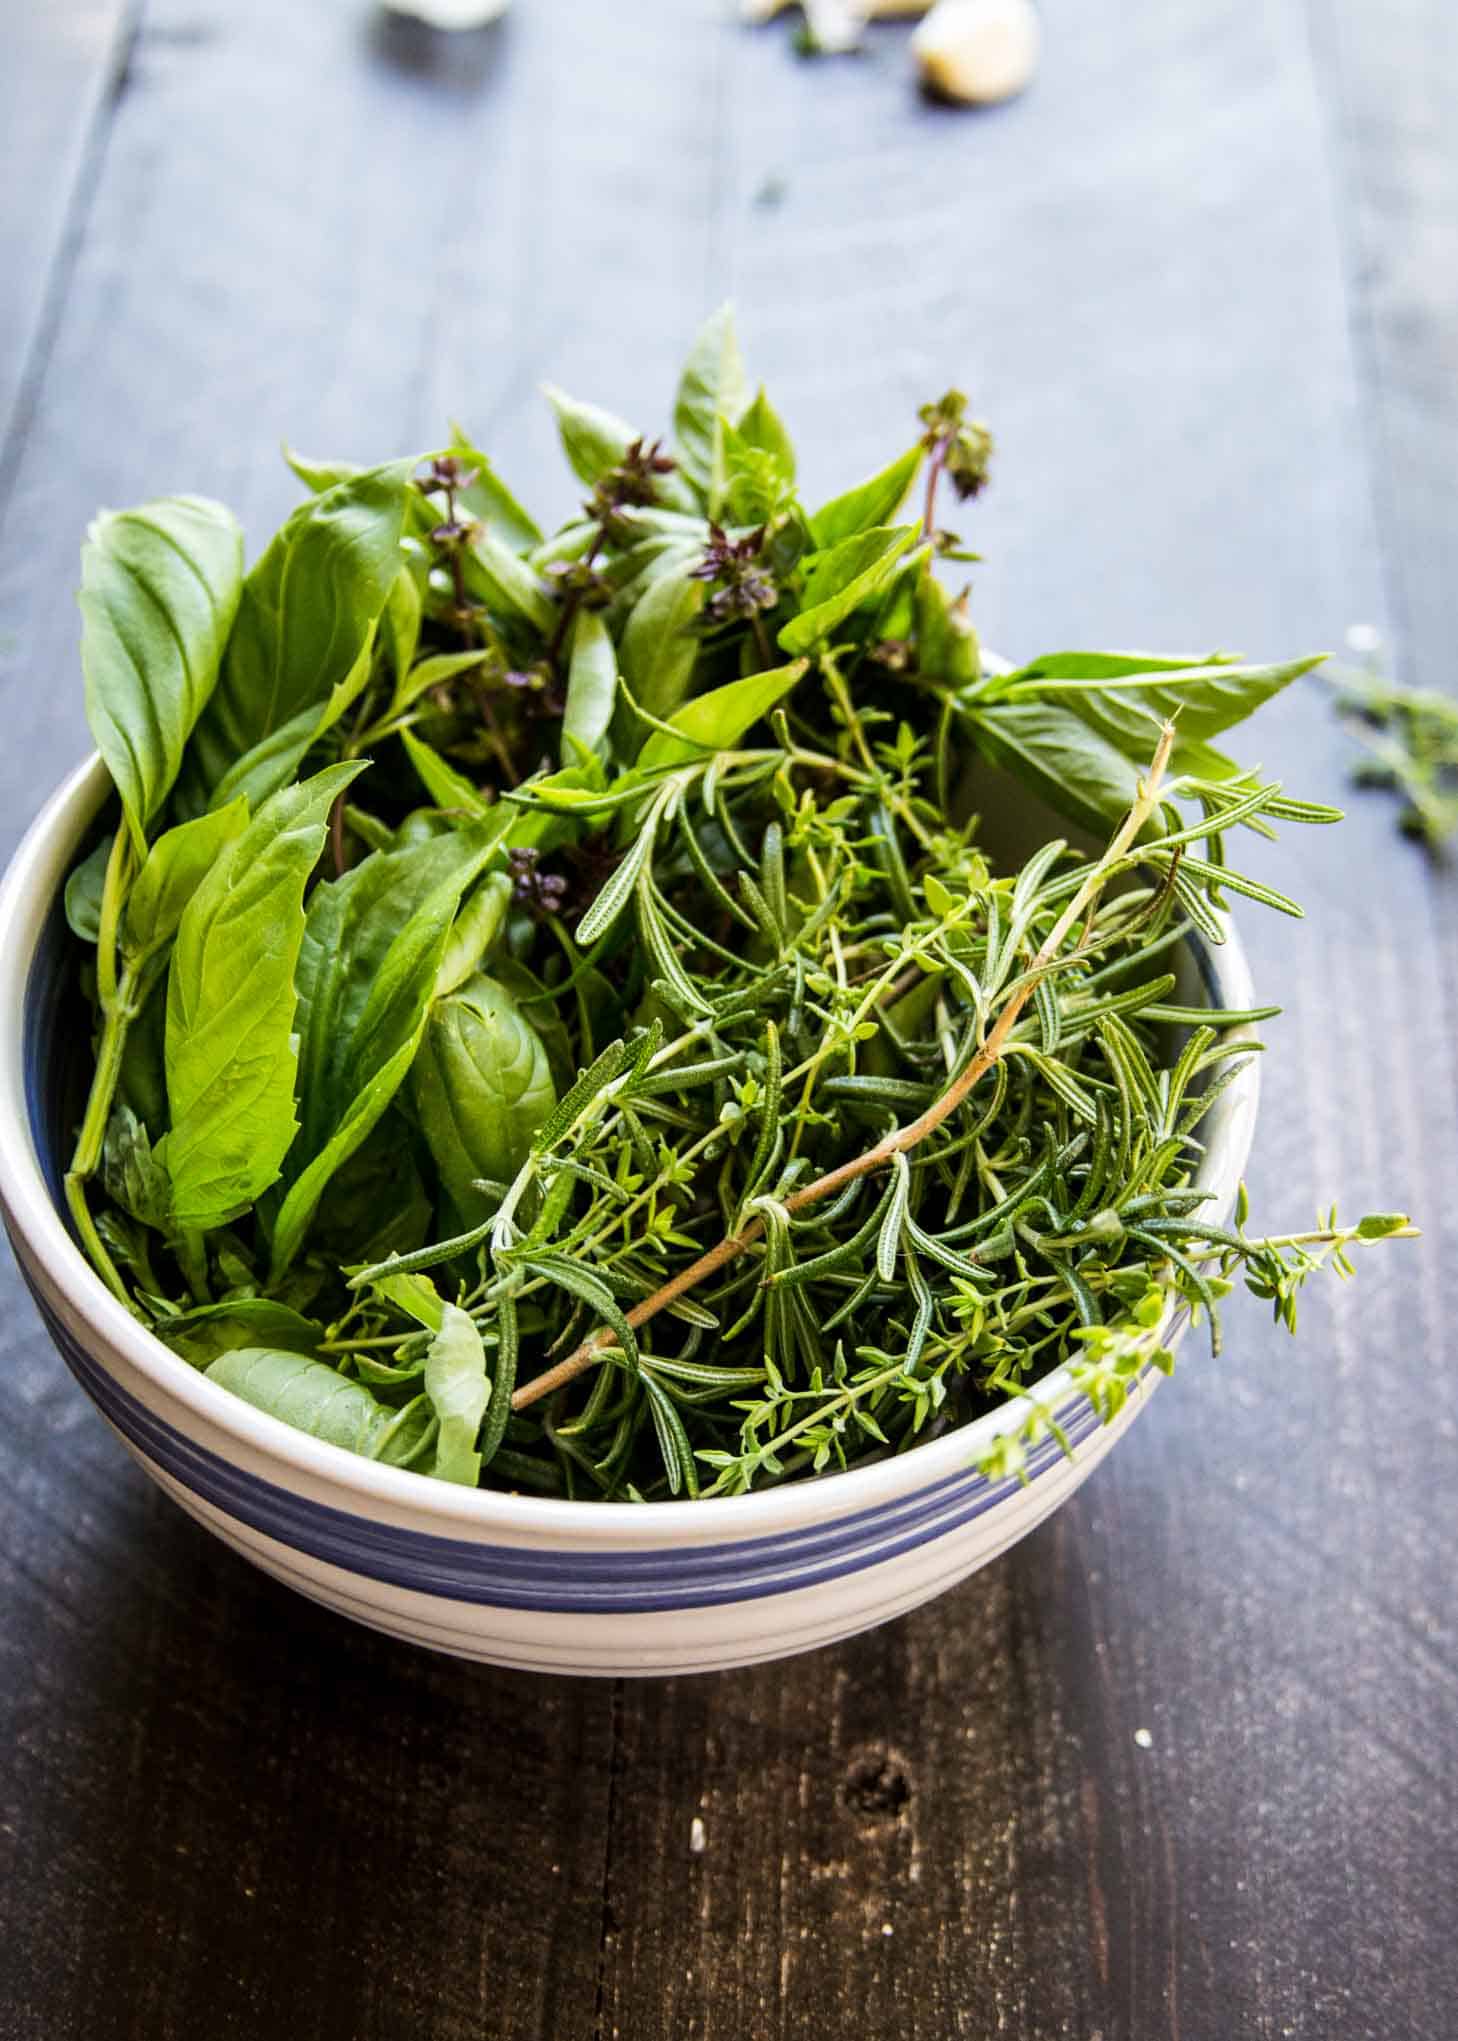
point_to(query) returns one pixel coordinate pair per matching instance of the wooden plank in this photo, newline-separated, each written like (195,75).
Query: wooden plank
(62,63)
(1391,74)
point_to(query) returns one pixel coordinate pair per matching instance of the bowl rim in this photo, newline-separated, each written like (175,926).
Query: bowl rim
(28,892)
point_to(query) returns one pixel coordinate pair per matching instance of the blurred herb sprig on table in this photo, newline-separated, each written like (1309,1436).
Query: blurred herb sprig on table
(661,1087)
(1411,738)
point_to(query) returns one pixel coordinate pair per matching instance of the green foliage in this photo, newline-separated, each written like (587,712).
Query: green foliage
(159,591)
(1410,736)
(548,1038)
(231,998)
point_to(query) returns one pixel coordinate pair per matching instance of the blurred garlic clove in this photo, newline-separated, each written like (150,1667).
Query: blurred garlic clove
(834,25)
(978,51)
(449,14)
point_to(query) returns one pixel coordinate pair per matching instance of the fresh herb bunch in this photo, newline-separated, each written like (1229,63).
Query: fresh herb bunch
(1411,739)
(558,1022)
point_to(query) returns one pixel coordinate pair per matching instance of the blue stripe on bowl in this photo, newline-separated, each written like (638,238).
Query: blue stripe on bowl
(554,1581)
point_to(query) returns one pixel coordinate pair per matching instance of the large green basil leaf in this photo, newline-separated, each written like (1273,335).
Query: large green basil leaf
(373,944)
(230,1046)
(159,591)
(1210,699)
(717,720)
(840,579)
(869,504)
(481,1086)
(176,866)
(306,621)
(661,642)
(713,385)
(458,1389)
(306,1394)
(1124,693)
(1075,769)
(1101,666)
(592,690)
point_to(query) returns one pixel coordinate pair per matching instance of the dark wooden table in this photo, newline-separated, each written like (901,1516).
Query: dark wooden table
(1183,1762)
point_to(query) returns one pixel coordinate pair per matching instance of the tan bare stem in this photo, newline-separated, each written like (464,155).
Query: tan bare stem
(900,1139)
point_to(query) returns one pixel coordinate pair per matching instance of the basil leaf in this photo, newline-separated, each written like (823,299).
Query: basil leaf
(271,764)
(456,1384)
(592,687)
(210,1330)
(445,786)
(176,866)
(1049,747)
(377,1204)
(661,644)
(415,1295)
(365,984)
(840,579)
(159,590)
(758,468)
(1100,666)
(1210,699)
(143,1083)
(84,889)
(487,498)
(762,428)
(305,622)
(506,584)
(1207,698)
(477,924)
(946,643)
(716,721)
(713,382)
(404,607)
(230,1046)
(306,1394)
(441,666)
(871,503)
(593,440)
(481,1086)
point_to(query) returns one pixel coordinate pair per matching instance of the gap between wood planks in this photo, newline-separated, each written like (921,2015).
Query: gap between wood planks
(55,289)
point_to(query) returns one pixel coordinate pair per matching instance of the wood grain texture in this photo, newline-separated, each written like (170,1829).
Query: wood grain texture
(62,66)
(1182,1763)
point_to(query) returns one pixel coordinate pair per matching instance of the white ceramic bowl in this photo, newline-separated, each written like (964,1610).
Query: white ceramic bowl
(563,1587)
